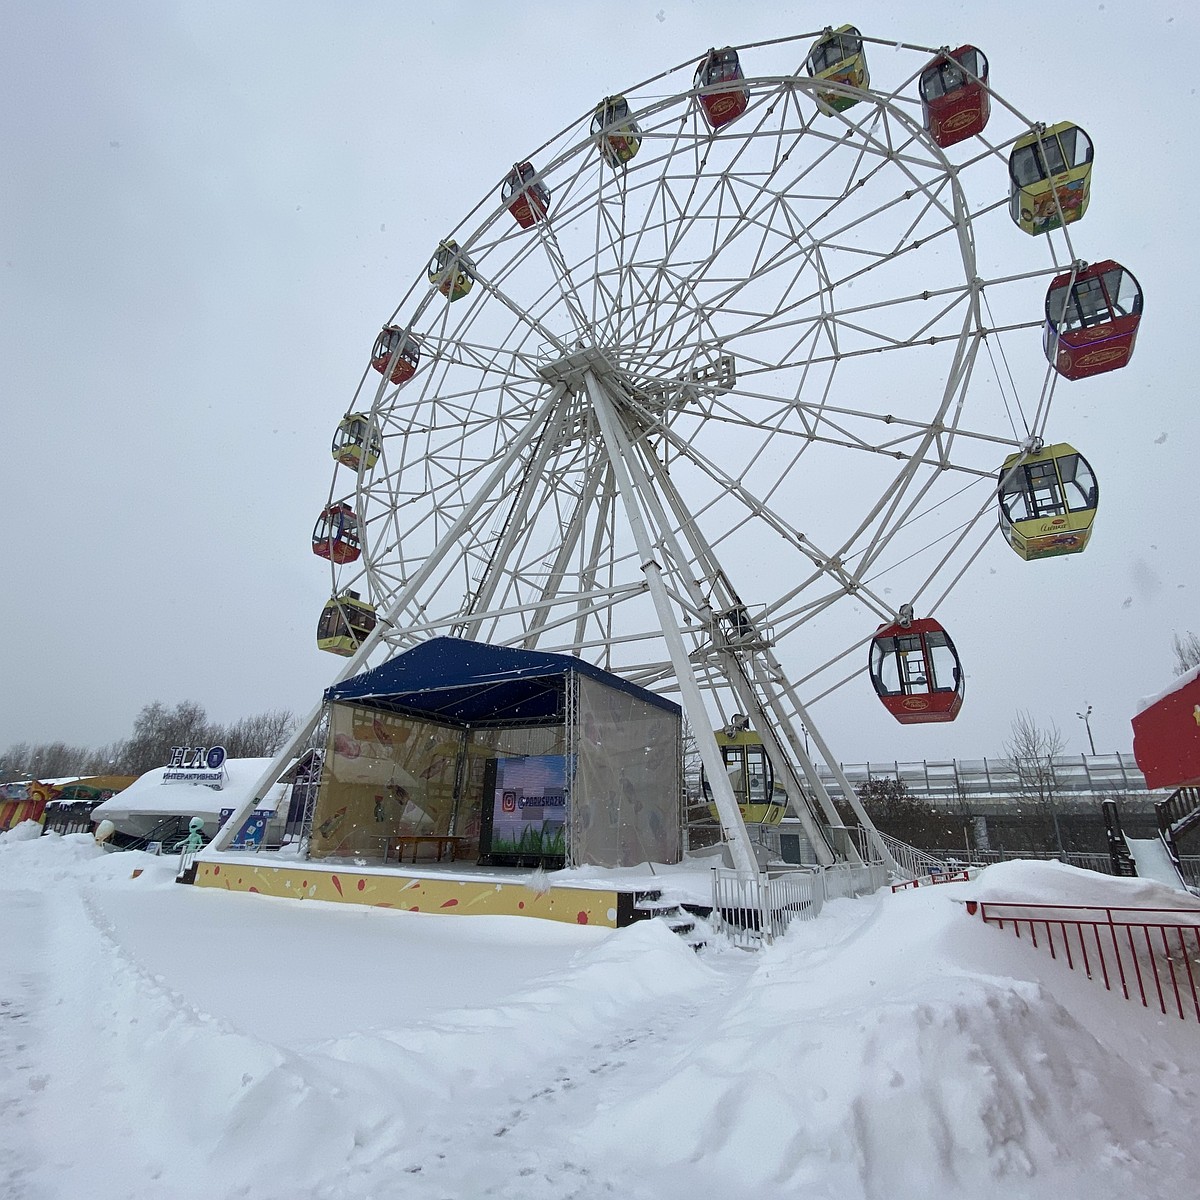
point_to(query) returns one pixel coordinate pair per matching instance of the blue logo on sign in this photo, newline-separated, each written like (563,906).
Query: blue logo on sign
(216,756)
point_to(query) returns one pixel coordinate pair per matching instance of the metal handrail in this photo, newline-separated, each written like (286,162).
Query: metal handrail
(1154,952)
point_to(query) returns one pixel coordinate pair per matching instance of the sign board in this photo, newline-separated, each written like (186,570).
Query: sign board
(253,830)
(196,764)
(528,809)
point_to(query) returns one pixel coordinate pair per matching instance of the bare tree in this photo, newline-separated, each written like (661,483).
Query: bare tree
(1187,652)
(260,736)
(158,728)
(1031,750)
(13,762)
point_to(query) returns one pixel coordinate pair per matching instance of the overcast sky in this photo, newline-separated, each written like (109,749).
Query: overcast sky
(209,209)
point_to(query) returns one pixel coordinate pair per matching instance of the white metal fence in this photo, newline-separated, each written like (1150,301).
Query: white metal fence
(757,910)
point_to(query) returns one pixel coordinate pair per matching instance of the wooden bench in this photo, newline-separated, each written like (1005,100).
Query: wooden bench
(414,842)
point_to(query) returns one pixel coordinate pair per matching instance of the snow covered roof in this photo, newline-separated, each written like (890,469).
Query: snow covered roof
(1180,681)
(152,794)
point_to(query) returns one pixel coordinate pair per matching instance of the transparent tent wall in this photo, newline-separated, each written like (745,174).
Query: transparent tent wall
(625,797)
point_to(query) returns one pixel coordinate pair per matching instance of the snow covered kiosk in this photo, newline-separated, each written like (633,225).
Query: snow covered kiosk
(507,756)
(1166,734)
(1166,744)
(158,805)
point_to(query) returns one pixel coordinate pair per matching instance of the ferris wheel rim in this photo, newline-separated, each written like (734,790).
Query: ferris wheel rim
(386,581)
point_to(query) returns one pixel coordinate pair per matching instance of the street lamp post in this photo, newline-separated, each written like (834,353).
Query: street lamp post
(1083,716)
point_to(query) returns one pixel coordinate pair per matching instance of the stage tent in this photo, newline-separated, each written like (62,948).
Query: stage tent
(478,742)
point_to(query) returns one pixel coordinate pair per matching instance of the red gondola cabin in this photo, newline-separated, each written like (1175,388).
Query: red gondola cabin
(335,535)
(1091,325)
(401,349)
(528,202)
(916,672)
(728,102)
(954,97)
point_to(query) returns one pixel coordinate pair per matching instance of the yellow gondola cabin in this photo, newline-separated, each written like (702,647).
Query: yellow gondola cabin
(1047,502)
(354,441)
(750,775)
(617,132)
(450,271)
(838,57)
(344,622)
(1050,178)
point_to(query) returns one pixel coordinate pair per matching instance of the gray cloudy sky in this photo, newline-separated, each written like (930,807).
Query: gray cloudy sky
(209,209)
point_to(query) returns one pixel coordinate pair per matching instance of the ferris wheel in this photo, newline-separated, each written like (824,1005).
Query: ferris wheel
(723,355)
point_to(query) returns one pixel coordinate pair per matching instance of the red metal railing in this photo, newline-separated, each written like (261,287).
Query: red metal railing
(963,876)
(1151,954)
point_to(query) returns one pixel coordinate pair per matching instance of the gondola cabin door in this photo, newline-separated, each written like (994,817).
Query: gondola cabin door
(916,672)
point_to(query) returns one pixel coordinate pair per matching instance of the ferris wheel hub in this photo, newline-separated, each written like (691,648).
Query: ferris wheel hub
(571,368)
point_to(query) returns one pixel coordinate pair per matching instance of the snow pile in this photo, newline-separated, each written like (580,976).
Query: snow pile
(879,1066)
(219,1045)
(1058,883)
(26,831)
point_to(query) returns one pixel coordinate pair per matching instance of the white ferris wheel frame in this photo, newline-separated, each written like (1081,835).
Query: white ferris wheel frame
(678,561)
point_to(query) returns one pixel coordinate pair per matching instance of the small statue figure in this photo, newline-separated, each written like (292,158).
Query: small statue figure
(195,838)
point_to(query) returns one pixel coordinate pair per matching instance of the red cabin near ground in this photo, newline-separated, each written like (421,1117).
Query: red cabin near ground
(916,672)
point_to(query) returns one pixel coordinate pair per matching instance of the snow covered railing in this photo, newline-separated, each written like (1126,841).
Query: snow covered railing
(759,909)
(1150,954)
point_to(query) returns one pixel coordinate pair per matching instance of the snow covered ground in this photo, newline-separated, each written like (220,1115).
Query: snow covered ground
(158,1041)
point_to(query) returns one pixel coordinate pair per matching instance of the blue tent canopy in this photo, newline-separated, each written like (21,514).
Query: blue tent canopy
(471,683)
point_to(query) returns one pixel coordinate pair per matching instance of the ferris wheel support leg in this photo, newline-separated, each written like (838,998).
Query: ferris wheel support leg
(734,672)
(732,825)
(353,665)
(558,570)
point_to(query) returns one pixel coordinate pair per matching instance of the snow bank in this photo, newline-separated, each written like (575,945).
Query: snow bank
(877,1052)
